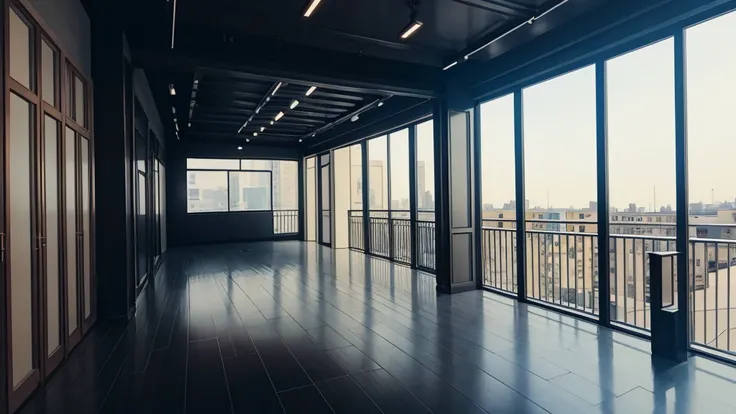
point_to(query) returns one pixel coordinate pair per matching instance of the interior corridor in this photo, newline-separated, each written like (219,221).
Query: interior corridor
(298,328)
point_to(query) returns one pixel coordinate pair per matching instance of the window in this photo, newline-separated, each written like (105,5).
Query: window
(425,167)
(497,169)
(582,229)
(220,185)
(250,191)
(582,216)
(377,174)
(211,186)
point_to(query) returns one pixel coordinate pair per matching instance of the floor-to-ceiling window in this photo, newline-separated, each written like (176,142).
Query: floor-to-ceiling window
(378,203)
(425,225)
(498,193)
(310,199)
(559,122)
(710,91)
(399,189)
(325,199)
(640,120)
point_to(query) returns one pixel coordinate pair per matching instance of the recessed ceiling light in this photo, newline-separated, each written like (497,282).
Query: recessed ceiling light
(271,122)
(263,128)
(311,90)
(173,110)
(172,90)
(278,116)
(278,85)
(189,125)
(354,118)
(247,140)
(412,27)
(300,140)
(314,134)
(255,134)
(294,104)
(380,104)
(313,5)
(240,148)
(268,98)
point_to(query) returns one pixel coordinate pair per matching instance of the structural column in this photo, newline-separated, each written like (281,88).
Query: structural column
(455,214)
(113,129)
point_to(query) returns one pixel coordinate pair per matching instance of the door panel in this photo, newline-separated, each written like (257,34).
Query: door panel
(20,243)
(54,339)
(70,157)
(85,231)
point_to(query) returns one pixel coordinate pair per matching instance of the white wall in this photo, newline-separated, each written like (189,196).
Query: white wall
(68,23)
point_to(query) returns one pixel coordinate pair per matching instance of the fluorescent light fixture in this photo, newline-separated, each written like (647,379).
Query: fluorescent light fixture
(172,90)
(268,98)
(294,104)
(263,128)
(380,104)
(278,85)
(311,90)
(313,5)
(177,127)
(196,81)
(240,148)
(412,27)
(258,109)
(255,134)
(278,116)
(450,65)
(173,110)
(354,118)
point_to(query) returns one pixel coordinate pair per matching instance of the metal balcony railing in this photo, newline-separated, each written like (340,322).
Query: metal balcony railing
(562,269)
(285,221)
(390,236)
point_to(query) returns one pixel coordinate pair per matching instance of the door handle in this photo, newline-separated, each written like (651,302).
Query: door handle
(2,247)
(41,241)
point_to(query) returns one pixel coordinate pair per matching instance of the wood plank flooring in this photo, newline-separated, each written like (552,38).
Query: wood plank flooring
(298,328)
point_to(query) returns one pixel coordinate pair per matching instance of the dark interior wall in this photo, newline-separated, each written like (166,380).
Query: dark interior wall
(184,228)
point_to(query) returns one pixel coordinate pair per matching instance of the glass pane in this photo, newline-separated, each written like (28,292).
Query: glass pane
(49,70)
(285,185)
(356,177)
(250,191)
(80,102)
(71,228)
(87,232)
(266,165)
(497,159)
(326,217)
(711,85)
(560,146)
(162,178)
(19,236)
(311,200)
(212,164)
(425,168)
(640,106)
(341,164)
(377,174)
(142,230)
(21,50)
(399,142)
(206,191)
(53,283)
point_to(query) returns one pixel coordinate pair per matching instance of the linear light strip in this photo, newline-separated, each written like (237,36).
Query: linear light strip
(311,8)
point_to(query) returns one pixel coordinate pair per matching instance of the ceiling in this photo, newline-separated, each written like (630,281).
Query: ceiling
(237,51)
(224,106)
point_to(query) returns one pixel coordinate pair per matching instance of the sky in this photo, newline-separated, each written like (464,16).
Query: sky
(560,138)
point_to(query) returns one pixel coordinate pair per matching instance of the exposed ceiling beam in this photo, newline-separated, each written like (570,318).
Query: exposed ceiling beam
(498,7)
(204,50)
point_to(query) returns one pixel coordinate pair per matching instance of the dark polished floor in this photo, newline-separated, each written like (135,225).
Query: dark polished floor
(294,327)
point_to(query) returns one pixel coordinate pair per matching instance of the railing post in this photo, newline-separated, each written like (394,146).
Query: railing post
(604,261)
(520,197)
(681,177)
(413,194)
(669,334)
